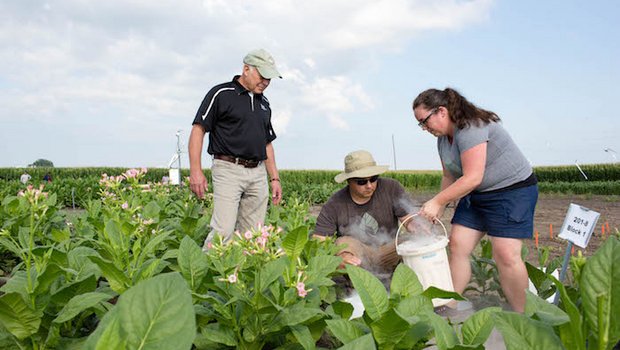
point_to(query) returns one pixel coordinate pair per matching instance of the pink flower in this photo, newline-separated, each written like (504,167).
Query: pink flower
(131,173)
(125,205)
(232,278)
(143,170)
(265,232)
(262,241)
(301,289)
(248,234)
(209,245)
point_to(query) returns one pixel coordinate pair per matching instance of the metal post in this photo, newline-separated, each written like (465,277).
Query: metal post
(394,152)
(581,171)
(179,154)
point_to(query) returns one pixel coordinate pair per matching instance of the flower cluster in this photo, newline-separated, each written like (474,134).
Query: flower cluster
(260,240)
(301,286)
(32,194)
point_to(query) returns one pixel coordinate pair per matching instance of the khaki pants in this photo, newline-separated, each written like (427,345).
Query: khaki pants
(240,197)
(374,259)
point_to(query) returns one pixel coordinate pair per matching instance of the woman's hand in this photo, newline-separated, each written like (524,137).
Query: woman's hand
(432,210)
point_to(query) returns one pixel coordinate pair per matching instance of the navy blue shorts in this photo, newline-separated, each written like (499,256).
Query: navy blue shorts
(501,214)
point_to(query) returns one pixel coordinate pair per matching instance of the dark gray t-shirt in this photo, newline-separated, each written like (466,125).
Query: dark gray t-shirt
(375,222)
(505,164)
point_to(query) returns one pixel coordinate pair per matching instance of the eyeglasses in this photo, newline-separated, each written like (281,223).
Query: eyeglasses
(423,122)
(362,182)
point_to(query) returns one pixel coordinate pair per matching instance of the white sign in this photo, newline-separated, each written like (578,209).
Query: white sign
(174,176)
(579,225)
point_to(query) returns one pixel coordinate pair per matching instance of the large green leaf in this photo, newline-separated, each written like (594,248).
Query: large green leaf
(445,338)
(78,260)
(572,333)
(389,329)
(538,277)
(522,333)
(321,266)
(600,278)
(414,306)
(18,283)
(344,330)
(434,292)
(192,262)
(294,242)
(108,333)
(151,211)
(365,342)
(152,244)
(78,304)
(154,314)
(117,278)
(18,317)
(112,232)
(544,311)
(293,315)
(405,282)
(46,277)
(371,291)
(477,327)
(303,336)
(217,333)
(65,292)
(7,340)
(270,272)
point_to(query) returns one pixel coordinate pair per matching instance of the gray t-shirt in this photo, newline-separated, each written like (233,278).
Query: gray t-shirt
(505,164)
(373,223)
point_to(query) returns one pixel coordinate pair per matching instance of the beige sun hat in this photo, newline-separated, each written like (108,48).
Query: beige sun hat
(262,60)
(360,164)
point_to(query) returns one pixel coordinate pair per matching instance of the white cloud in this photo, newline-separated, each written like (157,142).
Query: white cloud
(140,62)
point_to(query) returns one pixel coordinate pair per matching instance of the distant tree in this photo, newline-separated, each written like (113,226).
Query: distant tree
(42,163)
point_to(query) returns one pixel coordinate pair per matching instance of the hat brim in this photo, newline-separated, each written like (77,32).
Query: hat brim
(366,172)
(268,72)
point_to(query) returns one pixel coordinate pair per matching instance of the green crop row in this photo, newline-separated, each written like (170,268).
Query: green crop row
(76,186)
(571,173)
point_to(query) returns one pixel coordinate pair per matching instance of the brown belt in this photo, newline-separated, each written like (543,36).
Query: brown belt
(245,162)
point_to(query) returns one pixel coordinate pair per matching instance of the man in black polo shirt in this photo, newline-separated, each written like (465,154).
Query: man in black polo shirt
(237,117)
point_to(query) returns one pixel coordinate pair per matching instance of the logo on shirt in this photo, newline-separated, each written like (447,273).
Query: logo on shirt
(263,107)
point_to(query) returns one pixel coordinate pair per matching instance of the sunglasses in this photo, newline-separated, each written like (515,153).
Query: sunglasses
(362,182)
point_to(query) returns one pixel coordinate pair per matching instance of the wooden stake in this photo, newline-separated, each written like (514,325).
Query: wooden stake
(536,238)
(603,231)
(551,231)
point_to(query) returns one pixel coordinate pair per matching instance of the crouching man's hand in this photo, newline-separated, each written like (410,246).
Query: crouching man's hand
(348,258)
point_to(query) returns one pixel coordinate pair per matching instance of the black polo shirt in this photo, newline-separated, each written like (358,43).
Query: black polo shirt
(238,122)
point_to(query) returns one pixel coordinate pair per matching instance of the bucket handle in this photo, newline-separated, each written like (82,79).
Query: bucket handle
(407,218)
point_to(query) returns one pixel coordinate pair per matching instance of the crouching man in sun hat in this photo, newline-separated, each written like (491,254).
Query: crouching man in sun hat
(365,215)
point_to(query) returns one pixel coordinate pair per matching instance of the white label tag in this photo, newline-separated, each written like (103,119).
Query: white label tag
(579,225)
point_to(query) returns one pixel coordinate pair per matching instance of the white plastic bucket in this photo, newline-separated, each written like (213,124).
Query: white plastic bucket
(429,261)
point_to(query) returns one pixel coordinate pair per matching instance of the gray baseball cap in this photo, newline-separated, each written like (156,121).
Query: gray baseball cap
(263,61)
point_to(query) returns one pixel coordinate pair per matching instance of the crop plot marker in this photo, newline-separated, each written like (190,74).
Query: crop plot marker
(577,229)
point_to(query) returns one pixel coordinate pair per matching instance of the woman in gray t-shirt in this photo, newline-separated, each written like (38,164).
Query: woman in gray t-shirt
(483,168)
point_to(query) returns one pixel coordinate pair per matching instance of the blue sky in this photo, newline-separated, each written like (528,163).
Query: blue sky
(109,83)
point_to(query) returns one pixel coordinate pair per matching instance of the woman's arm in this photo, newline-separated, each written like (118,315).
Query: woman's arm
(473,162)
